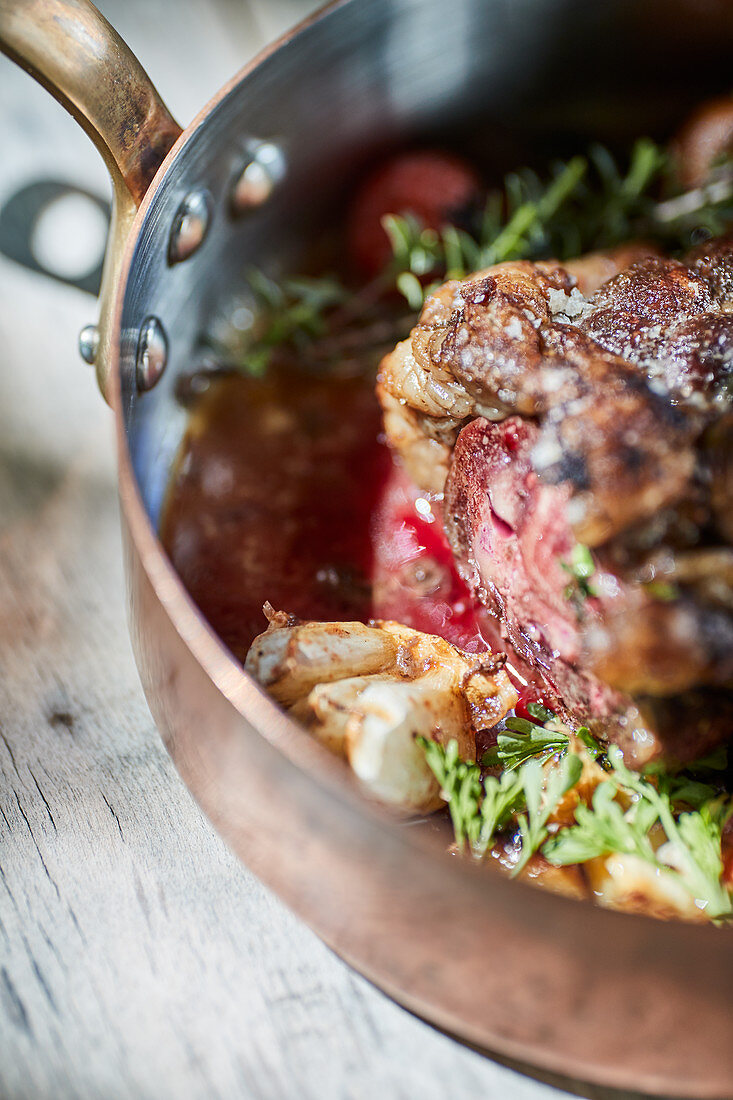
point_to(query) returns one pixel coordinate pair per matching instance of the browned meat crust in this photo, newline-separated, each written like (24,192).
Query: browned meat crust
(625,384)
(656,340)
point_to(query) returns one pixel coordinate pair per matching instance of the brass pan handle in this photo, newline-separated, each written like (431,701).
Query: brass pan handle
(71,49)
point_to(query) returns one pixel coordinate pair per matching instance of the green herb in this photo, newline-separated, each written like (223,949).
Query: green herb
(535,206)
(602,828)
(293,311)
(693,848)
(615,204)
(716,761)
(541,712)
(292,315)
(414,248)
(581,568)
(594,747)
(513,225)
(479,810)
(588,203)
(662,590)
(411,289)
(502,798)
(523,740)
(529,795)
(695,784)
(460,786)
(542,793)
(705,211)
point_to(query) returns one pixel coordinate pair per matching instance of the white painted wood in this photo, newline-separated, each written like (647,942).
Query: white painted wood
(138,959)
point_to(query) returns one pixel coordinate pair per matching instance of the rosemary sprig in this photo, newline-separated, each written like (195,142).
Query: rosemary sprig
(292,313)
(586,203)
(514,225)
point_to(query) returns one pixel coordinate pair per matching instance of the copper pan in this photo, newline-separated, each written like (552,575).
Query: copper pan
(620,1000)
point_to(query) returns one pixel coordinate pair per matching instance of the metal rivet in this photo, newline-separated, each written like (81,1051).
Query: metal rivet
(190,226)
(152,353)
(89,343)
(262,171)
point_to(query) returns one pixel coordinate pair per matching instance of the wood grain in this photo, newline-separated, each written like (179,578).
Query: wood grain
(138,958)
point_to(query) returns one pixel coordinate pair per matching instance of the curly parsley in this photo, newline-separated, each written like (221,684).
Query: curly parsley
(693,838)
(629,813)
(480,809)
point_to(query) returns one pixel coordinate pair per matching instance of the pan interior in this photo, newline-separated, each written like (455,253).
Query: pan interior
(505,83)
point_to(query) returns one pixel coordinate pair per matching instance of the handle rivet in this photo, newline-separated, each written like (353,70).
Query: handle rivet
(89,343)
(190,226)
(152,354)
(262,171)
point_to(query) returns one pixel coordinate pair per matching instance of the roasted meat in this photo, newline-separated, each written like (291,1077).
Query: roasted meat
(557,408)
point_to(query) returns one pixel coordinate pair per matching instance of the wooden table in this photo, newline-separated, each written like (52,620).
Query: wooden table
(138,958)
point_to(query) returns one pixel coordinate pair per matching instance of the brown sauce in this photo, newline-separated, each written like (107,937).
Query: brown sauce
(272,499)
(283,491)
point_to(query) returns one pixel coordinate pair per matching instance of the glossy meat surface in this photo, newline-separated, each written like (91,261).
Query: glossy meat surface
(554,411)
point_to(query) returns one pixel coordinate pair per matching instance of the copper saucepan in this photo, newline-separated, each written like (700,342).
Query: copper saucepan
(623,1000)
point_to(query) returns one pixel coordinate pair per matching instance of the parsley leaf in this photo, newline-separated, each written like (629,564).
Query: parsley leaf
(521,741)
(541,712)
(693,844)
(542,793)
